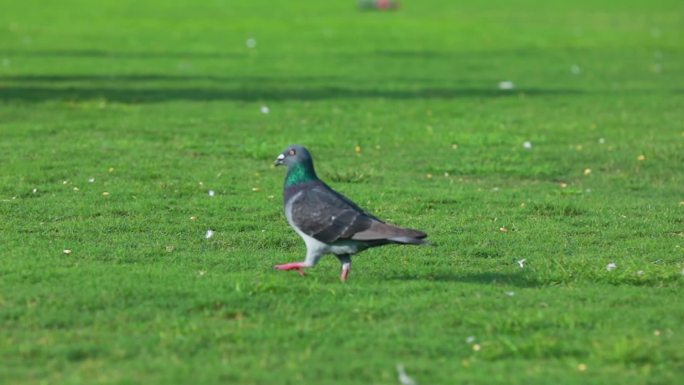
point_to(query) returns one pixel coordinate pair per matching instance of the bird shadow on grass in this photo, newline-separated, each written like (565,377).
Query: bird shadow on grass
(499,279)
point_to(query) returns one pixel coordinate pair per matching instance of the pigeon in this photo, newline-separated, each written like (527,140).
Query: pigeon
(327,221)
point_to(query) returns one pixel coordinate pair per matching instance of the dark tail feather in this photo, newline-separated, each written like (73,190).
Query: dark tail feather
(409,240)
(410,237)
(380,231)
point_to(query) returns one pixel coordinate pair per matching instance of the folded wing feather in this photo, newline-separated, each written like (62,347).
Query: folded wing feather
(328,216)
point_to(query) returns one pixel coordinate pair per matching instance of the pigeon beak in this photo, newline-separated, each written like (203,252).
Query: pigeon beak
(279,160)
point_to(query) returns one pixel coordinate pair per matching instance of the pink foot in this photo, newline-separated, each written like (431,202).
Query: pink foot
(345,272)
(299,266)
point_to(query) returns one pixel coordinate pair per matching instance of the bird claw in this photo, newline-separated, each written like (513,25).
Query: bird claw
(291,266)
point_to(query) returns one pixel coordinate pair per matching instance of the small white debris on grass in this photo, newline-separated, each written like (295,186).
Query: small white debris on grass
(201,273)
(641,158)
(611,266)
(210,233)
(582,367)
(35,190)
(67,251)
(91,180)
(640,273)
(105,193)
(404,378)
(256,189)
(265,109)
(509,293)
(506,85)
(656,333)
(251,42)
(477,347)
(470,339)
(527,145)
(521,263)
(587,171)
(602,140)
(212,193)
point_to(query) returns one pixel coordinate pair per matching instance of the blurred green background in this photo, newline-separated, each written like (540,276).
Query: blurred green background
(118,117)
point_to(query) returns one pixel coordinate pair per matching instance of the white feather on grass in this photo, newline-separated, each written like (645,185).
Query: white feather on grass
(404,378)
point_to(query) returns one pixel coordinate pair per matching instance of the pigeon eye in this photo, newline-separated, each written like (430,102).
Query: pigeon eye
(291,152)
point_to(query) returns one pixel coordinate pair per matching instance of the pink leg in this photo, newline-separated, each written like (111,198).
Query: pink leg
(345,271)
(299,266)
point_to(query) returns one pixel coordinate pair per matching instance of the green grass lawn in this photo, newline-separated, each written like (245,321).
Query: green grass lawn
(118,117)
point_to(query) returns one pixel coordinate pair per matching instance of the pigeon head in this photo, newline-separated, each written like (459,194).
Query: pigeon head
(293,155)
(299,165)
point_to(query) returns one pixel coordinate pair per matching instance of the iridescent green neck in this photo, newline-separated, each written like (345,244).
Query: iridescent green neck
(300,173)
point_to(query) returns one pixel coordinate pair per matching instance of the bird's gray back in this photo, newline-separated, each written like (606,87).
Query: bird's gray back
(325,214)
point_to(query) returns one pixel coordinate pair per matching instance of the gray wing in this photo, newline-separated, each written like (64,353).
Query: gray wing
(328,216)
